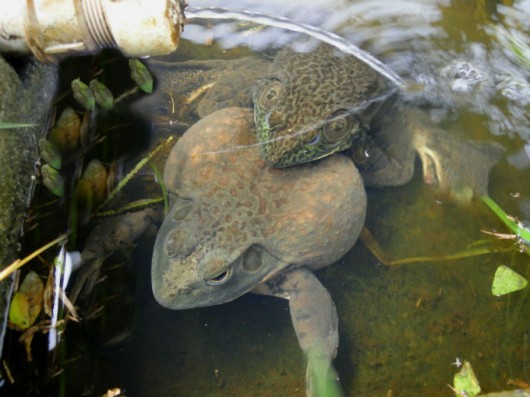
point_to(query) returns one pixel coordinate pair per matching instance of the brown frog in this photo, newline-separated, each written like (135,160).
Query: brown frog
(237,225)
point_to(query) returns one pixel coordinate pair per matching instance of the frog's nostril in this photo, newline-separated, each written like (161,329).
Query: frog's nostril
(184,291)
(172,246)
(178,243)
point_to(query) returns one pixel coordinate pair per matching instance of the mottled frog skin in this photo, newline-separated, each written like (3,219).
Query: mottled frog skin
(237,225)
(310,105)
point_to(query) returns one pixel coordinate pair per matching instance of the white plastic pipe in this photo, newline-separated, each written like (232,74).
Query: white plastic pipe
(51,29)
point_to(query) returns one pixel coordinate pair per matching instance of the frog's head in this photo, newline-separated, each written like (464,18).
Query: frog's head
(311,105)
(195,268)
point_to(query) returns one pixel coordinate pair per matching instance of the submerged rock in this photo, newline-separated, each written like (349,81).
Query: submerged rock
(25,100)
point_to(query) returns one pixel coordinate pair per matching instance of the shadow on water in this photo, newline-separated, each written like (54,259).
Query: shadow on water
(403,327)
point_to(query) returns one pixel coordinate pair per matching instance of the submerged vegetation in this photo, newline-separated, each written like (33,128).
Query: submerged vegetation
(71,171)
(5,126)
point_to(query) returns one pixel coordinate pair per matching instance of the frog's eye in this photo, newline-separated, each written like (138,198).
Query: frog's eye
(314,141)
(339,125)
(271,93)
(252,259)
(220,278)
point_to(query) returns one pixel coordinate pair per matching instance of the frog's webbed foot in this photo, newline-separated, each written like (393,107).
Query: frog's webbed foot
(454,165)
(234,86)
(118,232)
(315,321)
(179,88)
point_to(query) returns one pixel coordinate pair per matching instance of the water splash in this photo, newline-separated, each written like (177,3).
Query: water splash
(285,23)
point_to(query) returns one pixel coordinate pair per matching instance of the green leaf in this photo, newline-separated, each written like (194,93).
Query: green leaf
(83,94)
(5,126)
(50,153)
(53,180)
(141,75)
(507,281)
(27,303)
(465,382)
(66,134)
(103,95)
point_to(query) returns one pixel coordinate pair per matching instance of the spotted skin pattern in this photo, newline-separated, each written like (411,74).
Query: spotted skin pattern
(312,104)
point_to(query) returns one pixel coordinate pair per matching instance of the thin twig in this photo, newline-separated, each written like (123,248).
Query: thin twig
(370,242)
(21,262)
(135,170)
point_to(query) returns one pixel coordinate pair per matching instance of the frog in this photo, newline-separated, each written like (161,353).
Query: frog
(348,105)
(308,105)
(237,225)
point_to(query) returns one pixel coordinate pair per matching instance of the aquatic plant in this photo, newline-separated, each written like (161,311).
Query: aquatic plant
(5,126)
(521,231)
(82,185)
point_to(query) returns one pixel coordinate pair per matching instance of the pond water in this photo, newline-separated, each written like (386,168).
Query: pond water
(401,327)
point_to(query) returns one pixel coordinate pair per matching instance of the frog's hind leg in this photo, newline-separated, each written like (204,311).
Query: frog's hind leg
(315,322)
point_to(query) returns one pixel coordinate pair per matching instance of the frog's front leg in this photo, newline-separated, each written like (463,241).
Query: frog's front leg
(115,233)
(315,322)
(110,235)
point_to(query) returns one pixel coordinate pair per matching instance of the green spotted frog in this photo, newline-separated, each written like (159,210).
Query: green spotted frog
(310,105)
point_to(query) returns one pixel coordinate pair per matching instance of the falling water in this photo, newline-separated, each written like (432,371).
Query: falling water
(285,23)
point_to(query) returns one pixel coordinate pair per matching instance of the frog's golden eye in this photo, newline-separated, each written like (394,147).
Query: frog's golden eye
(314,141)
(220,278)
(271,93)
(339,125)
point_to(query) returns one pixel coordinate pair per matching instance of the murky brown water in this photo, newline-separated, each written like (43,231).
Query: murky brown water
(401,327)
